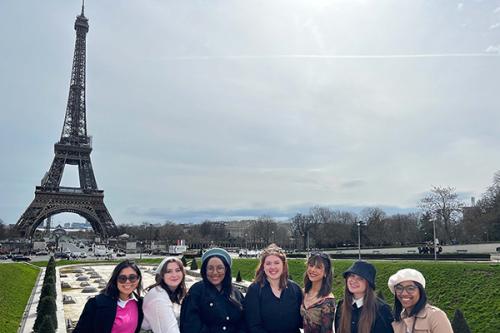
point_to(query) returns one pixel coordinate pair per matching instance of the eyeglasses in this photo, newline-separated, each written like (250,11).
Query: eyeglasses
(123,278)
(218,269)
(411,289)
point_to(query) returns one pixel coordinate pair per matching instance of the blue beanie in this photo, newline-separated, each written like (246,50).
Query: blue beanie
(216,251)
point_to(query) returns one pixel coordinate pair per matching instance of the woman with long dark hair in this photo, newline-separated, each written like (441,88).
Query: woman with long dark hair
(162,303)
(361,311)
(118,307)
(213,305)
(412,313)
(272,302)
(318,305)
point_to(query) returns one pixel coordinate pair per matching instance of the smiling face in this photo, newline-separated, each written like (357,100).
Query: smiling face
(215,271)
(126,287)
(173,275)
(273,267)
(408,294)
(357,285)
(315,273)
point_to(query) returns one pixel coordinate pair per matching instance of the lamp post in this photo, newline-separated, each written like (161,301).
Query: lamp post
(434,237)
(58,232)
(359,223)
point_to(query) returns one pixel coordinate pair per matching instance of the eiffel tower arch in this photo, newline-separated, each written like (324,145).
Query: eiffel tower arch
(73,148)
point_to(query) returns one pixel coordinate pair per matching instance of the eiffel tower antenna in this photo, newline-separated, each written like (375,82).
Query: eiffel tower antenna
(73,148)
(83,7)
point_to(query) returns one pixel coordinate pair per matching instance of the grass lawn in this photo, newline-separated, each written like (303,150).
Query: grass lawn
(471,287)
(17,282)
(474,288)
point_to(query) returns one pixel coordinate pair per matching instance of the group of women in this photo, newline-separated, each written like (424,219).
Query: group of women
(273,303)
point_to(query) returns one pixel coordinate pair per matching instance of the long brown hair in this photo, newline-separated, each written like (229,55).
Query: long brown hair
(260,275)
(178,294)
(368,311)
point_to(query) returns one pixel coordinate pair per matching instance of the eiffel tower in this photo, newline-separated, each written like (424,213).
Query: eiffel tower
(73,148)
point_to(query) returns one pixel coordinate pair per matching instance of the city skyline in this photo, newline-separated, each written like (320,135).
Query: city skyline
(229,110)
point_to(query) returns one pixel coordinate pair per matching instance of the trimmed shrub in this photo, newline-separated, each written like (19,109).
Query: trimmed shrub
(46,307)
(238,277)
(46,326)
(49,280)
(48,290)
(184,261)
(459,324)
(194,264)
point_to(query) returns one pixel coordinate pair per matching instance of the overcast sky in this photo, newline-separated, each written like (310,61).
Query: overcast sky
(221,109)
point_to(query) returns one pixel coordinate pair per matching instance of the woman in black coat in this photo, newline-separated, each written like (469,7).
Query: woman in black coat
(272,303)
(117,306)
(361,311)
(213,305)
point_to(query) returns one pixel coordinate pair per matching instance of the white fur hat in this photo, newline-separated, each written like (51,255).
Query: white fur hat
(407,274)
(160,266)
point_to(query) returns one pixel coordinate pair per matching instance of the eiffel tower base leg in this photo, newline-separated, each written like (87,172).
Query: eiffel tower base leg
(88,205)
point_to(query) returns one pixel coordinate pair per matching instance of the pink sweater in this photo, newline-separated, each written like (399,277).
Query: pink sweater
(127,318)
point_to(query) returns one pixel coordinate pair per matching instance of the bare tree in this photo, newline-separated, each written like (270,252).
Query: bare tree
(443,205)
(376,227)
(302,225)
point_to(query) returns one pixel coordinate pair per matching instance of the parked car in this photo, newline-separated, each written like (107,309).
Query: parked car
(83,255)
(41,253)
(121,254)
(20,257)
(2,257)
(61,255)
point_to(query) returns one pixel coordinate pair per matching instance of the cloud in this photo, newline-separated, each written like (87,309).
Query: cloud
(353,183)
(493,49)
(495,26)
(460,6)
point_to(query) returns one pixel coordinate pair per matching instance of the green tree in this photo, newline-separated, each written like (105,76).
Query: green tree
(46,307)
(459,324)
(238,277)
(47,325)
(194,264)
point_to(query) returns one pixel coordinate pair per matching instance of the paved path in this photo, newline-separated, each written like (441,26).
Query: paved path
(469,248)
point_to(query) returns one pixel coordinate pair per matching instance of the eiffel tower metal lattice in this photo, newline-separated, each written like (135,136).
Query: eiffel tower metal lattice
(73,148)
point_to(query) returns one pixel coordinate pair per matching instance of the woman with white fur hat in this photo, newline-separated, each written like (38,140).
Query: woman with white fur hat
(412,313)
(162,303)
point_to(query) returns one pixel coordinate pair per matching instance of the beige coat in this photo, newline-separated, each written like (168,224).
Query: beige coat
(429,320)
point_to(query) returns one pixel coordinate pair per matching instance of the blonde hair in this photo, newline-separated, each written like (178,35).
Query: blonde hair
(260,275)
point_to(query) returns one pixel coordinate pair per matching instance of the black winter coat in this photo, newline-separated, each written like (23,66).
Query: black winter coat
(206,310)
(266,313)
(383,319)
(99,315)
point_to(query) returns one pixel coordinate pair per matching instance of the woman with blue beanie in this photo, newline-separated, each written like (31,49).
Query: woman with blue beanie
(213,305)
(361,311)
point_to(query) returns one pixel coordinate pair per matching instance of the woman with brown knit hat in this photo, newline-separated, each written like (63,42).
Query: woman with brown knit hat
(412,313)
(361,311)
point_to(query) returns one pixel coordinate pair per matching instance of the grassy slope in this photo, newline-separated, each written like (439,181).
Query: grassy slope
(472,287)
(15,289)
